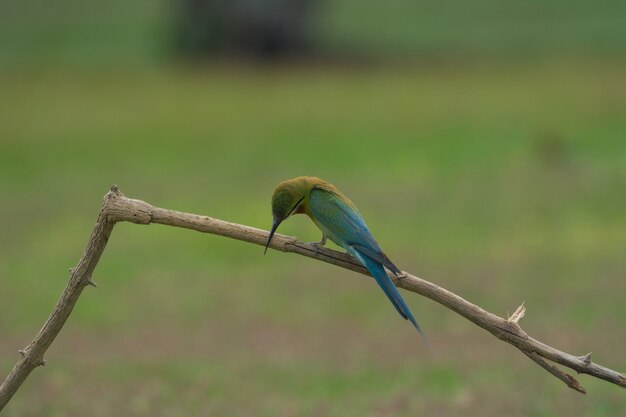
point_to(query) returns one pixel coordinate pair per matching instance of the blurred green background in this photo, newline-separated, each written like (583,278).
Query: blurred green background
(484,143)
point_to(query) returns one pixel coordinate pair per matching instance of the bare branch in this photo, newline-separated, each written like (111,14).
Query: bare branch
(117,208)
(32,355)
(569,380)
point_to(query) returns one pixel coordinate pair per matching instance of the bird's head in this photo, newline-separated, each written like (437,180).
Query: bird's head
(285,201)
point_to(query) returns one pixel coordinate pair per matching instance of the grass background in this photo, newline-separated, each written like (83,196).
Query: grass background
(498,174)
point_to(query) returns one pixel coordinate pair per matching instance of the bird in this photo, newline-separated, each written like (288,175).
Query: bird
(340,221)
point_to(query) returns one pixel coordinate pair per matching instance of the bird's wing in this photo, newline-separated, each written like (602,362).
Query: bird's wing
(345,222)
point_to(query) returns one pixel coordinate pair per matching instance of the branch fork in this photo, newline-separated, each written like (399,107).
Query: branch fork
(118,208)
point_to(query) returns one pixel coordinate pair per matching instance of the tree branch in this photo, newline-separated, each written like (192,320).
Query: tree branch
(117,208)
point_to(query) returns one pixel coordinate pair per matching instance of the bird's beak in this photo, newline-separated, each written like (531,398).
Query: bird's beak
(274,227)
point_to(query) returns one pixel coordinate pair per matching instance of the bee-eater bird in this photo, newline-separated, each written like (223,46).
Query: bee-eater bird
(340,221)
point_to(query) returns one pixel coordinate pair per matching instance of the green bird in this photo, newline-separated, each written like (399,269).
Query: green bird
(340,221)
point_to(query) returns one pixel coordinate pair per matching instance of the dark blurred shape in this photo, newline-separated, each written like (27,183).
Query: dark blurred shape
(557,165)
(550,148)
(265,29)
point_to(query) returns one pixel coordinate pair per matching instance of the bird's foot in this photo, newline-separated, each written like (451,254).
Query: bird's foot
(401,275)
(318,245)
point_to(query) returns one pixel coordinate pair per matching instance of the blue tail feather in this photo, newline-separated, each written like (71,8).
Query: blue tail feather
(380,275)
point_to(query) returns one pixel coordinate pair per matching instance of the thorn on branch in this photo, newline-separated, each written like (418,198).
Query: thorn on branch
(586,358)
(518,314)
(91,283)
(24,353)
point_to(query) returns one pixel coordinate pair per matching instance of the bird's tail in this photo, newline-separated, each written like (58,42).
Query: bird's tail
(380,275)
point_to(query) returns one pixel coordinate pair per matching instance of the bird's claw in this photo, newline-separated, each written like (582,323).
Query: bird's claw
(318,245)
